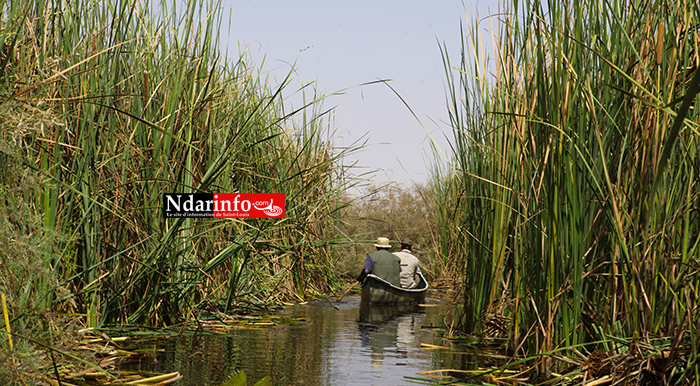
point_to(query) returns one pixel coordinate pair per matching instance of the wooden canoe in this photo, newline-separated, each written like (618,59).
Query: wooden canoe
(376,290)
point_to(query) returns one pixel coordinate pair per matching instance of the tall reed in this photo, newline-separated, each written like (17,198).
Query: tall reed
(575,192)
(141,102)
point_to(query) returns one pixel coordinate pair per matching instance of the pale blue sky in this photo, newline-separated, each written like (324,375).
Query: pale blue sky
(342,44)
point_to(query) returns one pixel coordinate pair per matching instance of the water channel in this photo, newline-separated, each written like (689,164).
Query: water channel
(342,343)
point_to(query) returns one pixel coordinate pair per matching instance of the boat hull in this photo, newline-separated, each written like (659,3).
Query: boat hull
(376,290)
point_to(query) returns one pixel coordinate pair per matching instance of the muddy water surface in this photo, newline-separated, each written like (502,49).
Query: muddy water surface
(340,344)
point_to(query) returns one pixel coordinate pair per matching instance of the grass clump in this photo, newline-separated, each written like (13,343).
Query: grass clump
(105,106)
(574,196)
(29,282)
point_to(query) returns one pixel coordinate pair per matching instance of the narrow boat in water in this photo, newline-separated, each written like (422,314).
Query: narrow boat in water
(376,290)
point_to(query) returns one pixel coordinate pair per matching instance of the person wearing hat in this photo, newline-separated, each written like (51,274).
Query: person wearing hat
(382,263)
(409,265)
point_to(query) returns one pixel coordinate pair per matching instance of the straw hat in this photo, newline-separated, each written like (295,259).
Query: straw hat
(382,242)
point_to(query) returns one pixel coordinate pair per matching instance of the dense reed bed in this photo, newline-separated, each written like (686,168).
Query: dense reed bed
(573,207)
(105,106)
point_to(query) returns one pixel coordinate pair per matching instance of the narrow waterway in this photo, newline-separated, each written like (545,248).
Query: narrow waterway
(340,344)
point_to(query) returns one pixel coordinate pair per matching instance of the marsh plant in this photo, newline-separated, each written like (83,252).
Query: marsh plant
(106,106)
(573,205)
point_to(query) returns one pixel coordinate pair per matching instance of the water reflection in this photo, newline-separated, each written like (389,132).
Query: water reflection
(380,332)
(342,344)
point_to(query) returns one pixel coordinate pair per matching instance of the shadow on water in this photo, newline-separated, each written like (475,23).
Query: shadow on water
(341,344)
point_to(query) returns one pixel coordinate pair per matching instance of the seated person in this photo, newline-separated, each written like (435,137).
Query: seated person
(409,265)
(382,263)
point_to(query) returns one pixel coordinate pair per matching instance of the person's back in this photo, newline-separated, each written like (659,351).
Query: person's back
(409,265)
(382,263)
(387,266)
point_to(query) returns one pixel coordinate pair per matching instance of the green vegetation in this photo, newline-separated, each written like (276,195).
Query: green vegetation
(573,206)
(105,106)
(571,214)
(239,379)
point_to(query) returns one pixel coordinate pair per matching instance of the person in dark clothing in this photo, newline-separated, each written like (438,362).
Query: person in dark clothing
(382,263)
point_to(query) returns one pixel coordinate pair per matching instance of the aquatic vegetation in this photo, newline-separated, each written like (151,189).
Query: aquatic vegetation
(572,206)
(239,379)
(226,322)
(107,106)
(113,356)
